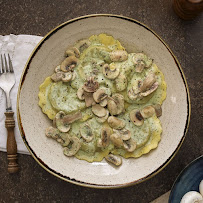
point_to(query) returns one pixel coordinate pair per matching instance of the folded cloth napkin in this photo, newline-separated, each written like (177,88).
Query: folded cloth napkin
(19,48)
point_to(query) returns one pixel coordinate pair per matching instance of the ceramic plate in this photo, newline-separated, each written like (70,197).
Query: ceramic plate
(49,53)
(188,180)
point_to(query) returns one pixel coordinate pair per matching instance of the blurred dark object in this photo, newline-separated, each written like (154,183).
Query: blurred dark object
(188,9)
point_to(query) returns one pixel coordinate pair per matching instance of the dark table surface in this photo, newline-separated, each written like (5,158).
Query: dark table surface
(33,183)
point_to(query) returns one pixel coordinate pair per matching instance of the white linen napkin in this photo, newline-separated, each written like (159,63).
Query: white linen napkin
(19,48)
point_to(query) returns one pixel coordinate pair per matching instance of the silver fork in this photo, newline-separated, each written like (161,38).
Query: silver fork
(7,81)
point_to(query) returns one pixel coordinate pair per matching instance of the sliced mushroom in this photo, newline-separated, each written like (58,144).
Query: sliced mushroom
(112,106)
(99,95)
(72,117)
(105,136)
(80,94)
(148,82)
(67,77)
(119,55)
(129,145)
(57,69)
(158,109)
(116,123)
(57,76)
(73,75)
(116,139)
(82,45)
(136,117)
(119,100)
(121,82)
(73,147)
(99,110)
(110,71)
(125,134)
(61,124)
(69,63)
(133,95)
(147,112)
(73,51)
(86,132)
(91,85)
(65,139)
(114,159)
(52,132)
(103,103)
(89,101)
(150,90)
(103,119)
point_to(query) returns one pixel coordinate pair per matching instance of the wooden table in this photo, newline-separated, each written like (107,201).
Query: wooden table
(33,183)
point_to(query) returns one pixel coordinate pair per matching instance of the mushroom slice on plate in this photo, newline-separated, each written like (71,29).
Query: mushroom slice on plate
(57,69)
(73,147)
(112,106)
(52,132)
(148,82)
(114,159)
(119,100)
(99,95)
(116,123)
(62,125)
(86,132)
(116,140)
(73,51)
(69,63)
(119,55)
(105,136)
(136,117)
(103,103)
(89,101)
(72,117)
(129,145)
(147,111)
(99,110)
(110,71)
(103,119)
(158,109)
(57,76)
(91,85)
(80,94)
(192,197)
(82,44)
(67,77)
(121,82)
(150,90)
(124,133)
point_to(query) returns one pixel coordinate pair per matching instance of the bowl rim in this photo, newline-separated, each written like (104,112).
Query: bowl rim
(42,164)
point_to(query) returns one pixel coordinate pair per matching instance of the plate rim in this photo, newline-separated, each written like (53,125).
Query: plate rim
(85,184)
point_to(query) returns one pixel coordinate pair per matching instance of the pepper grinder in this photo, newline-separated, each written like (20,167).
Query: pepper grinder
(188,9)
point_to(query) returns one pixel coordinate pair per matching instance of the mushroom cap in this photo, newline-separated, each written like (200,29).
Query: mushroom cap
(99,110)
(147,112)
(80,94)
(103,119)
(150,90)
(119,55)
(105,136)
(158,109)
(119,100)
(72,117)
(86,132)
(69,63)
(129,145)
(62,125)
(112,106)
(148,82)
(57,76)
(114,159)
(73,147)
(67,77)
(136,117)
(91,85)
(99,95)
(116,139)
(116,123)
(110,71)
(124,133)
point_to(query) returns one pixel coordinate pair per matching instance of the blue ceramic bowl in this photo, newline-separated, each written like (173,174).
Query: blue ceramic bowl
(189,179)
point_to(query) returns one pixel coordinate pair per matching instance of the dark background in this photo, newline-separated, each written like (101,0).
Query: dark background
(33,183)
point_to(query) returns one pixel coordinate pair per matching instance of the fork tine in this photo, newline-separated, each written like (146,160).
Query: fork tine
(10,64)
(6,65)
(2,65)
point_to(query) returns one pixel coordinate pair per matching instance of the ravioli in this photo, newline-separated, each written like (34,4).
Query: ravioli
(104,101)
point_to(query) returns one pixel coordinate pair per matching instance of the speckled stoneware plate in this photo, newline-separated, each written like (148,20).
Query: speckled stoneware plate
(188,180)
(32,122)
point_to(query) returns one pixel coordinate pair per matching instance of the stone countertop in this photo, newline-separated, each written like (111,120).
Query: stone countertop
(33,183)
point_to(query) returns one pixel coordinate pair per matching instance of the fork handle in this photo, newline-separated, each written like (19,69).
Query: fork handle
(11,143)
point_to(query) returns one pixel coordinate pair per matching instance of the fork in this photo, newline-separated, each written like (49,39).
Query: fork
(7,81)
